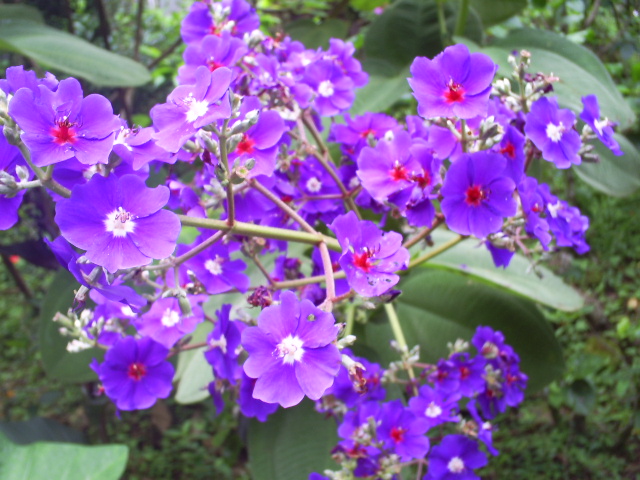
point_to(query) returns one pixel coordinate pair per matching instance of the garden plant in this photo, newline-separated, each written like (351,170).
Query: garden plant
(355,290)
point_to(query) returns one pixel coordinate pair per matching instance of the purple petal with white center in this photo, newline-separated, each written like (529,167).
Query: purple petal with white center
(279,384)
(317,370)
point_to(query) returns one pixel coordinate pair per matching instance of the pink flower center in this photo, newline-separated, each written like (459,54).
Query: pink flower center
(136,371)
(509,150)
(475,195)
(454,92)
(464,373)
(397,434)
(213,65)
(362,261)
(367,132)
(423,180)
(398,172)
(64,132)
(245,145)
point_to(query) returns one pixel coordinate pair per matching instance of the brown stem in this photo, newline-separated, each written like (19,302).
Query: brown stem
(439,220)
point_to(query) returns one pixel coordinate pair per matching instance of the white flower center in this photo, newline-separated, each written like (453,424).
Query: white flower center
(433,410)
(553,209)
(120,222)
(455,465)
(314,185)
(127,312)
(197,108)
(554,132)
(600,124)
(325,89)
(290,349)
(214,266)
(170,317)
(220,343)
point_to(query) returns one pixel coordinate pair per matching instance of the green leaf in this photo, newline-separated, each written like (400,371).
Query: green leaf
(470,259)
(316,36)
(615,176)
(409,28)
(193,371)
(439,307)
(367,5)
(291,444)
(492,12)
(17,13)
(40,429)
(61,51)
(46,461)
(581,396)
(56,360)
(581,72)
(381,93)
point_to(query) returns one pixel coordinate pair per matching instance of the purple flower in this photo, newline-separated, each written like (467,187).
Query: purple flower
(137,147)
(118,221)
(334,90)
(359,131)
(551,130)
(369,256)
(291,352)
(222,343)
(252,407)
(403,432)
(165,322)
(135,373)
(61,125)
(213,52)
(455,459)
(477,194)
(602,128)
(533,206)
(501,256)
(215,270)
(212,18)
(454,84)
(434,407)
(10,158)
(512,147)
(17,77)
(191,107)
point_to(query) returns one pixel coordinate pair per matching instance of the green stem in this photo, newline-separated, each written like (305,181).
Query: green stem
(262,231)
(350,316)
(396,328)
(224,158)
(442,21)
(44,177)
(461,21)
(436,251)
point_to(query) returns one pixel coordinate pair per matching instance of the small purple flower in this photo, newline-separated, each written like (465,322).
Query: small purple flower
(359,131)
(191,107)
(222,343)
(135,373)
(478,194)
(551,130)
(512,147)
(435,407)
(403,432)
(212,18)
(165,322)
(369,256)
(602,128)
(214,269)
(455,459)
(17,77)
(213,52)
(63,124)
(501,256)
(291,352)
(10,159)
(334,90)
(119,221)
(455,83)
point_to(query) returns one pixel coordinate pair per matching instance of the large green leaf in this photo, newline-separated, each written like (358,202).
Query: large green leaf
(46,461)
(61,51)
(492,12)
(314,36)
(439,307)
(194,372)
(56,360)
(40,429)
(291,444)
(470,259)
(581,72)
(17,13)
(381,92)
(616,176)
(409,28)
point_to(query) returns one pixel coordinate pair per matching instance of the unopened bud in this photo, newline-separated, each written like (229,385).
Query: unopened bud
(22,172)
(250,119)
(8,185)
(233,141)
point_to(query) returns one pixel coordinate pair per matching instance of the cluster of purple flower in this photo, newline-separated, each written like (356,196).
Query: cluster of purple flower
(245,120)
(377,435)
